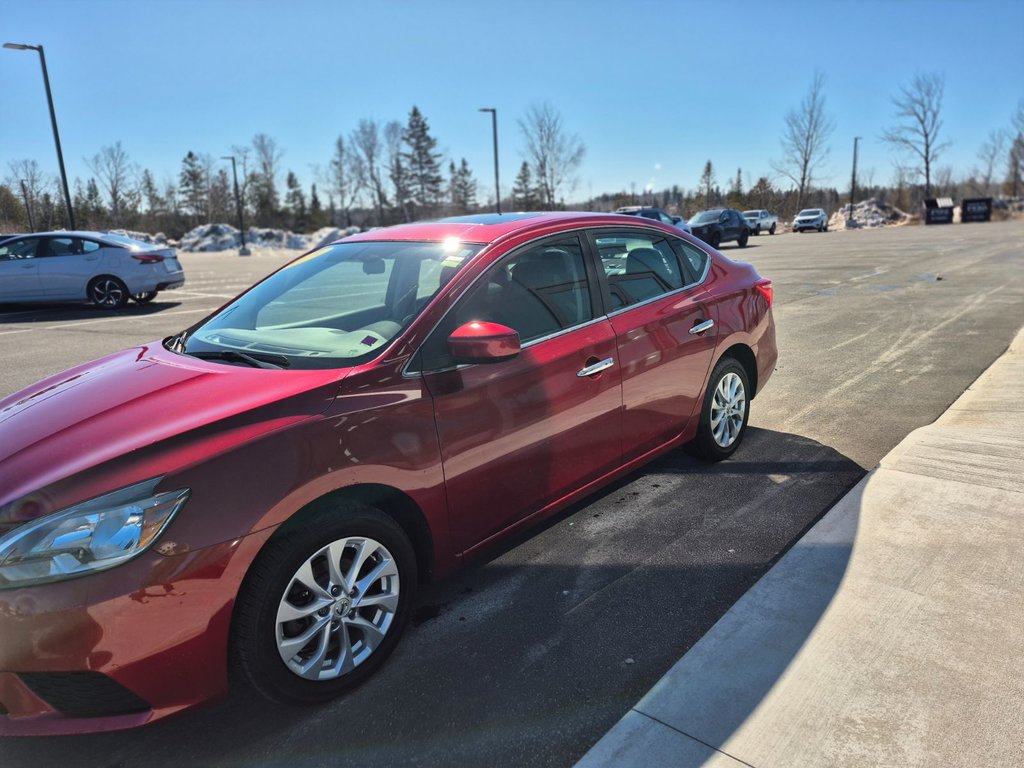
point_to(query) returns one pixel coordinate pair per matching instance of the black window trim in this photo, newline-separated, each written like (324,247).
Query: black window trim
(598,308)
(610,312)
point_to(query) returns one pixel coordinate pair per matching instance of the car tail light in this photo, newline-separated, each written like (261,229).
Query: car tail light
(149,258)
(764,287)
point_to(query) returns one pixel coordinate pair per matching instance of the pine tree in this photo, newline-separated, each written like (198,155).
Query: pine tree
(463,187)
(316,210)
(735,198)
(192,185)
(707,183)
(154,203)
(295,202)
(95,211)
(425,180)
(222,201)
(523,194)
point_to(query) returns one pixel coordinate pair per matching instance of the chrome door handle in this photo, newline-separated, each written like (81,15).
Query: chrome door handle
(590,370)
(707,325)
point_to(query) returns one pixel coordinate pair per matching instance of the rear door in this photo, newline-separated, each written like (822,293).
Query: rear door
(518,435)
(19,270)
(66,264)
(657,310)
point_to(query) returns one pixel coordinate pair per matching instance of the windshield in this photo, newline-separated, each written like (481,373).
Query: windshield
(809,212)
(751,214)
(705,216)
(336,307)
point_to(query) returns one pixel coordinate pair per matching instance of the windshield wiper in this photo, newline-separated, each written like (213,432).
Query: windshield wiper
(258,360)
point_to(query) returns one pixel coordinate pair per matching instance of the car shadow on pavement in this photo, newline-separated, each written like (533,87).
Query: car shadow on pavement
(55,313)
(530,657)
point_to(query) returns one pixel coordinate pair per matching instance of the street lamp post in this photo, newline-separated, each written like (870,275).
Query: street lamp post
(243,251)
(853,182)
(497,185)
(53,121)
(28,206)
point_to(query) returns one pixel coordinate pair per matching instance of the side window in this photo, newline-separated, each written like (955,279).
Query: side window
(693,257)
(537,290)
(62,246)
(638,265)
(19,249)
(89,246)
(649,215)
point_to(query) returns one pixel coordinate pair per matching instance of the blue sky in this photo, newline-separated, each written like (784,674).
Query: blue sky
(654,89)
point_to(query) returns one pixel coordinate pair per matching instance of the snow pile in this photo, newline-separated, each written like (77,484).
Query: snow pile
(868,213)
(158,239)
(224,237)
(326,235)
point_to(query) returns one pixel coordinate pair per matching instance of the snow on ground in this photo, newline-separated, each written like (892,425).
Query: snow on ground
(224,237)
(869,213)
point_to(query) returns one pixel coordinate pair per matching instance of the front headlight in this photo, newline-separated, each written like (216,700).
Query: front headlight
(91,536)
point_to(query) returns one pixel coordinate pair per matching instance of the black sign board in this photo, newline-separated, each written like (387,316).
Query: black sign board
(976,209)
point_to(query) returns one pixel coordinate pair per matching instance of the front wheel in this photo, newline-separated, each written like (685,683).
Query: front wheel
(716,240)
(771,230)
(108,292)
(724,414)
(744,238)
(324,605)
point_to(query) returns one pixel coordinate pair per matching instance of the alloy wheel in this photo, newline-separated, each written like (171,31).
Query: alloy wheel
(728,410)
(108,293)
(337,608)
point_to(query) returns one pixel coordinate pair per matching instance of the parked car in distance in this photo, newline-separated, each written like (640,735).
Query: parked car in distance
(761,221)
(257,497)
(105,268)
(720,225)
(656,214)
(811,218)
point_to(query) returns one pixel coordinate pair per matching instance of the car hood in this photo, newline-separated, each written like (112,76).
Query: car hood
(133,399)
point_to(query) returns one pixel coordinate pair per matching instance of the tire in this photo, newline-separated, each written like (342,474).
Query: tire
(719,440)
(344,643)
(771,230)
(716,240)
(757,230)
(144,298)
(108,292)
(825,228)
(744,238)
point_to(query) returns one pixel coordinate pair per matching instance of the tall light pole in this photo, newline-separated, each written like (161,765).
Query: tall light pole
(243,251)
(28,206)
(53,121)
(853,181)
(497,185)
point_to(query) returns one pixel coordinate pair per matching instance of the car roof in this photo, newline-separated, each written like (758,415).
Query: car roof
(486,228)
(104,237)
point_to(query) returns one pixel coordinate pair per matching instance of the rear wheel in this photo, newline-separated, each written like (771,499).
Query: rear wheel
(724,414)
(143,298)
(771,230)
(324,605)
(108,292)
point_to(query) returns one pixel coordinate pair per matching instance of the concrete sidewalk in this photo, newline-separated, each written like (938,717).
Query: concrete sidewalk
(892,634)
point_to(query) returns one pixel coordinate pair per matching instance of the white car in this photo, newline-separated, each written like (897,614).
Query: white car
(811,218)
(102,267)
(657,215)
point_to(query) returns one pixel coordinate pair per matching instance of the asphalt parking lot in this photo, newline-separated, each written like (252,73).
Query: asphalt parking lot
(529,658)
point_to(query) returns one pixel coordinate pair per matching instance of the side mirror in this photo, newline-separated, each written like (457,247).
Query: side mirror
(483,342)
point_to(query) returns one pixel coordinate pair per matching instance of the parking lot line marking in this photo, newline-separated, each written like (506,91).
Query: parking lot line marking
(20,330)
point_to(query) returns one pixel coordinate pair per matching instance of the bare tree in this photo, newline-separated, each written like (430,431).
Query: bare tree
(553,154)
(243,161)
(805,139)
(1016,155)
(990,154)
(268,160)
(919,107)
(114,170)
(366,140)
(345,177)
(398,172)
(35,181)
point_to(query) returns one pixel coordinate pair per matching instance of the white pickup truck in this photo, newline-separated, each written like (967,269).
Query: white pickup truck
(761,221)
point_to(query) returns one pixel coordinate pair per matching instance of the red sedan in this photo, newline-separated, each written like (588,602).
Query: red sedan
(262,493)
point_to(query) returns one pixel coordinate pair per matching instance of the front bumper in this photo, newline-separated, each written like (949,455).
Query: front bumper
(122,647)
(811,224)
